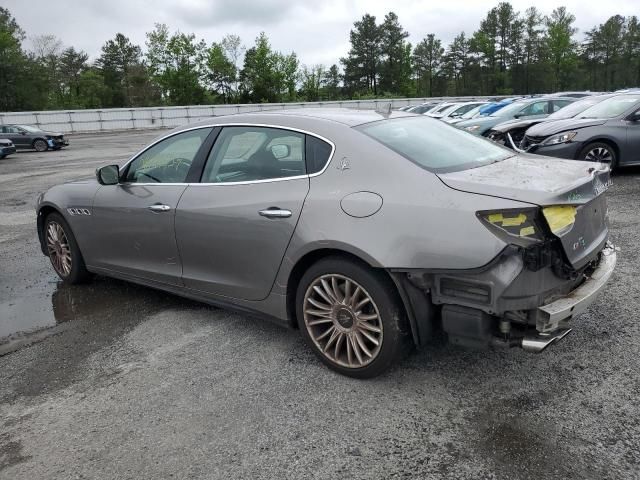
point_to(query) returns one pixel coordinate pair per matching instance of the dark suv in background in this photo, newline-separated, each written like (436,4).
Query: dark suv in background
(26,136)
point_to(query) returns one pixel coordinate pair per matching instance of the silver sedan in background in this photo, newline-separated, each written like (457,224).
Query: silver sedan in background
(365,230)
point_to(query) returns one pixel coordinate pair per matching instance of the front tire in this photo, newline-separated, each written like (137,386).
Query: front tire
(40,145)
(351,316)
(63,251)
(599,152)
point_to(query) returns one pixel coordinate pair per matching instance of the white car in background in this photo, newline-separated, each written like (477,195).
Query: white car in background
(455,112)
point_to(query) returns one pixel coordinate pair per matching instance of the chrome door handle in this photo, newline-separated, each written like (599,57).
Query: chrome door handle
(275,213)
(159,208)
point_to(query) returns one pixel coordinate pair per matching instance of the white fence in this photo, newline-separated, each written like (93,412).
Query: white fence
(76,121)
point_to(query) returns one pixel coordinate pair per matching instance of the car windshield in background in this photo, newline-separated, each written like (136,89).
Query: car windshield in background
(28,128)
(473,112)
(574,109)
(612,107)
(435,146)
(509,110)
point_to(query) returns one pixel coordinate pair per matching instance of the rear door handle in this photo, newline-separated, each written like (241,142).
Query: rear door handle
(275,212)
(159,208)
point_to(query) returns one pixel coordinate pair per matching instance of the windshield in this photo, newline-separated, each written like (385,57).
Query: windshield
(473,112)
(509,110)
(434,145)
(28,128)
(612,107)
(574,109)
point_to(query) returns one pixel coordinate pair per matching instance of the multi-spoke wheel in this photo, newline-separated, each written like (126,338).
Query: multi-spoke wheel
(63,250)
(40,145)
(59,249)
(599,152)
(351,317)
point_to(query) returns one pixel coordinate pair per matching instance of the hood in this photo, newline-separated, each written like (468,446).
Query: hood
(509,125)
(483,122)
(546,129)
(533,179)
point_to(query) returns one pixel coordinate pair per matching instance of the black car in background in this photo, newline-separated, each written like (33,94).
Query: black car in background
(511,133)
(6,147)
(608,132)
(26,136)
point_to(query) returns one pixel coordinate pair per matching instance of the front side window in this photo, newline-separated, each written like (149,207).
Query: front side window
(244,154)
(435,146)
(169,160)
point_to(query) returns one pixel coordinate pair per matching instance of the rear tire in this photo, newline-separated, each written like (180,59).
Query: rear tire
(63,250)
(40,145)
(351,317)
(599,152)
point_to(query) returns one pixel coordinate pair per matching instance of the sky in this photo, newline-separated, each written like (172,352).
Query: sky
(317,30)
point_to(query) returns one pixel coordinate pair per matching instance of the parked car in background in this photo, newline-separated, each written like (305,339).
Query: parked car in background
(495,106)
(291,215)
(423,108)
(473,113)
(526,108)
(608,132)
(573,94)
(27,136)
(6,147)
(511,132)
(456,111)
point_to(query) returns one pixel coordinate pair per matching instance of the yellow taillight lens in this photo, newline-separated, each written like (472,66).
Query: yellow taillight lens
(560,218)
(518,223)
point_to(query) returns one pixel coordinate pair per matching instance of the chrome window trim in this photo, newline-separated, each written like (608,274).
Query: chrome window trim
(249,182)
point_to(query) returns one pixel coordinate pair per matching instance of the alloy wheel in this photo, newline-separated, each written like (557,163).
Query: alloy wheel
(599,154)
(343,320)
(59,249)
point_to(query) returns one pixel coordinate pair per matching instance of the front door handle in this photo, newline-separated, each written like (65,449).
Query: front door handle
(275,212)
(159,208)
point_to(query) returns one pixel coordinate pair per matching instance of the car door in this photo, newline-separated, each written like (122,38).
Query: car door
(234,227)
(134,220)
(631,151)
(16,135)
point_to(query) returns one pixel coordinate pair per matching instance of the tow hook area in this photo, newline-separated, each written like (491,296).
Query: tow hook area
(474,328)
(537,343)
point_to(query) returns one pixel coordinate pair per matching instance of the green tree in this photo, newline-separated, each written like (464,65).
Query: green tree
(362,63)
(427,59)
(561,47)
(119,63)
(392,54)
(220,72)
(71,66)
(332,82)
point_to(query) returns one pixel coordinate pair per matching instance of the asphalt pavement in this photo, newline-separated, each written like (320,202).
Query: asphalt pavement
(112,380)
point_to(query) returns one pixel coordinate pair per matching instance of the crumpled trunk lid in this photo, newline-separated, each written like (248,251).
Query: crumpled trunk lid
(546,181)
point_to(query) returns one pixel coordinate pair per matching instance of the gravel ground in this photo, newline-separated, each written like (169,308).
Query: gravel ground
(128,382)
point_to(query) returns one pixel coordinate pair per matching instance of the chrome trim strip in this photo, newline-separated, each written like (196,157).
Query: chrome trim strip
(222,125)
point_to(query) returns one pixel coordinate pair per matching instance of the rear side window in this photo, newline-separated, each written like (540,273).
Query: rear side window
(317,153)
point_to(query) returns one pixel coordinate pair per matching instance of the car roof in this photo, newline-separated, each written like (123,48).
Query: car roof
(346,116)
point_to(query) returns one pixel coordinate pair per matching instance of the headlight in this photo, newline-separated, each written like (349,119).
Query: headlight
(561,138)
(560,218)
(472,128)
(520,226)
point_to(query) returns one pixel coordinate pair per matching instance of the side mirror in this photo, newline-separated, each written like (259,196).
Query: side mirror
(109,175)
(280,151)
(635,116)
(455,114)
(22,132)
(517,115)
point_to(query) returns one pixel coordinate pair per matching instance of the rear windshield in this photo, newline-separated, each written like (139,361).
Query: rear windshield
(434,145)
(612,107)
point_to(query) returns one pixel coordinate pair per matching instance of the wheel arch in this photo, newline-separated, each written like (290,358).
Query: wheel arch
(414,303)
(43,212)
(39,138)
(608,140)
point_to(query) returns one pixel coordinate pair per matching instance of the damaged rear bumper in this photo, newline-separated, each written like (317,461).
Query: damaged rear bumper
(551,315)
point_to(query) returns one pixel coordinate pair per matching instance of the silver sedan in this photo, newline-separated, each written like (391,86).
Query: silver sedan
(367,231)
